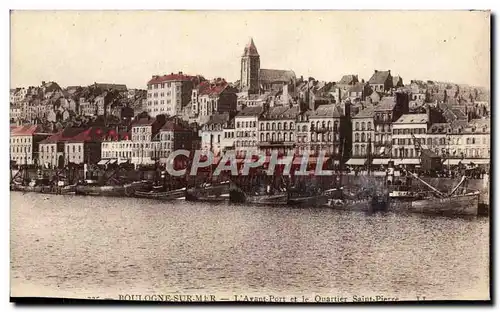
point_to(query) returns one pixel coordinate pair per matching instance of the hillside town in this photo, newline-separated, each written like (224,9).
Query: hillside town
(359,122)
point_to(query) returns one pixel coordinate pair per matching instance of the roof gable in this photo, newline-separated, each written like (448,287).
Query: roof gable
(380,77)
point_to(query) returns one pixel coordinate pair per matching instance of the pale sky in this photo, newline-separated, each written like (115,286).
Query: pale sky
(79,48)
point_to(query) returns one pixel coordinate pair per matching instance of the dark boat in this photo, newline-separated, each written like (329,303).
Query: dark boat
(162,195)
(309,200)
(209,192)
(236,195)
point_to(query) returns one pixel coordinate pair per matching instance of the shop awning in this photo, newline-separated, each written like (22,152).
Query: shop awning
(407,161)
(479,161)
(381,161)
(112,161)
(121,161)
(103,161)
(356,162)
(452,162)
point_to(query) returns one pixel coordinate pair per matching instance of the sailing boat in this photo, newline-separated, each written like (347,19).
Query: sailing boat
(452,203)
(466,203)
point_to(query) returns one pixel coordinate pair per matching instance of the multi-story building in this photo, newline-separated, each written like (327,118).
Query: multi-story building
(24,144)
(172,136)
(408,133)
(246,129)
(302,133)
(363,132)
(168,94)
(216,96)
(101,105)
(228,137)
(325,126)
(52,149)
(277,129)
(212,132)
(15,111)
(116,146)
(142,134)
(461,141)
(386,112)
(84,147)
(87,107)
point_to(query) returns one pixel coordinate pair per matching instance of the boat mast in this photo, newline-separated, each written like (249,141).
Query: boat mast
(425,183)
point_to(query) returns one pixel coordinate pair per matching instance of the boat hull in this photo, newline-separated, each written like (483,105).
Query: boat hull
(238,196)
(118,190)
(212,193)
(467,204)
(308,201)
(169,195)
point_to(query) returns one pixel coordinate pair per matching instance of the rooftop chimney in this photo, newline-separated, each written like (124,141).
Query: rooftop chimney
(376,71)
(180,73)
(43,82)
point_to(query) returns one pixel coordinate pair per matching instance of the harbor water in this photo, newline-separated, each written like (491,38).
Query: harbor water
(79,247)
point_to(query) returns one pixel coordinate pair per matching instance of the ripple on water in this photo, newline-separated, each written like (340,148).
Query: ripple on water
(110,244)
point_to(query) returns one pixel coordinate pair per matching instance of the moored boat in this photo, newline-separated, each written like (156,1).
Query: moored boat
(166,195)
(238,196)
(91,188)
(307,201)
(209,192)
(465,204)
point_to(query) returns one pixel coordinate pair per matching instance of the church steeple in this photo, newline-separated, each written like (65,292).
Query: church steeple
(250,49)
(250,67)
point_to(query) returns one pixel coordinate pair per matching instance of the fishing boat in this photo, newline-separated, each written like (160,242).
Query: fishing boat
(236,195)
(92,188)
(162,195)
(209,192)
(437,202)
(464,204)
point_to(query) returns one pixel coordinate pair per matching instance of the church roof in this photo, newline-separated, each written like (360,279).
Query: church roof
(276,75)
(250,49)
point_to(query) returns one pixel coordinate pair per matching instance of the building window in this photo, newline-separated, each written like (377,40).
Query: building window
(356,137)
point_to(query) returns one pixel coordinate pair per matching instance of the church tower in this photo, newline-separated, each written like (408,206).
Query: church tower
(250,67)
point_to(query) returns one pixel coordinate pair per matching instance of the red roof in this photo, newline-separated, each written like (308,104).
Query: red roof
(171,77)
(112,135)
(91,134)
(25,130)
(75,135)
(207,88)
